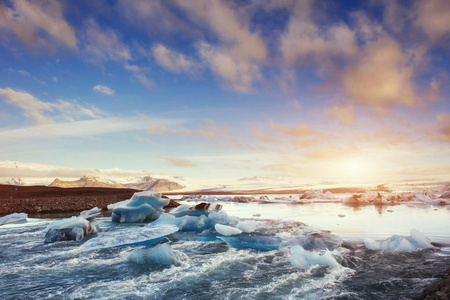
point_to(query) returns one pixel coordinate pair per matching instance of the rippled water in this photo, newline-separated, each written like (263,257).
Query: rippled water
(210,269)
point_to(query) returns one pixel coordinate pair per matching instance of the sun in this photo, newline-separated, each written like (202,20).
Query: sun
(354,169)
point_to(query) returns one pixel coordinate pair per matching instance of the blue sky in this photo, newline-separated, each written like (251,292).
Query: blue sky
(288,91)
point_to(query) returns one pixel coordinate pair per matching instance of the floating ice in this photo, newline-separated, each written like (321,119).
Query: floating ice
(247,226)
(130,236)
(415,241)
(302,259)
(91,213)
(161,254)
(14,218)
(256,242)
(142,206)
(71,229)
(197,210)
(319,194)
(227,230)
(192,223)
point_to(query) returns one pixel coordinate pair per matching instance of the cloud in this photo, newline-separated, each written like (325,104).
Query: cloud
(82,129)
(303,40)
(230,28)
(172,60)
(103,44)
(382,77)
(44,112)
(301,130)
(32,107)
(443,127)
(434,18)
(103,89)
(139,74)
(179,162)
(265,137)
(212,130)
(38,24)
(162,126)
(239,75)
(344,113)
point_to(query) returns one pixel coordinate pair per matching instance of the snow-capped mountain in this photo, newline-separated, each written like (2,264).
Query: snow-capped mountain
(147,183)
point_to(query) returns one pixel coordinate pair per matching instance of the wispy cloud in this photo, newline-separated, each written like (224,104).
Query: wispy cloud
(39,25)
(172,60)
(45,112)
(179,162)
(104,89)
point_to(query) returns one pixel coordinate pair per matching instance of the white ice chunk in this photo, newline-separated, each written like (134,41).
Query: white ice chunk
(142,206)
(68,223)
(71,229)
(415,241)
(161,254)
(302,259)
(91,213)
(14,218)
(128,236)
(192,223)
(247,226)
(227,230)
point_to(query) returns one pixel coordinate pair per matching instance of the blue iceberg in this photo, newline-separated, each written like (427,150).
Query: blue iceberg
(142,206)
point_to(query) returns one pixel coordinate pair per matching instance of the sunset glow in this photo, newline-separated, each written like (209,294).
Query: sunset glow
(226,93)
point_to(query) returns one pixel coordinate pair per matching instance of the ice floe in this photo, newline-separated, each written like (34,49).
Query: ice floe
(255,242)
(14,218)
(91,213)
(227,230)
(192,223)
(130,236)
(161,254)
(415,241)
(247,226)
(71,229)
(303,259)
(142,206)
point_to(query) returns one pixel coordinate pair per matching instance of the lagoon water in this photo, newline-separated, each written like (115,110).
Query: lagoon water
(209,268)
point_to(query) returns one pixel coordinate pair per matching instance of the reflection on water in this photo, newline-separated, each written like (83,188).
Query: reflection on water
(378,222)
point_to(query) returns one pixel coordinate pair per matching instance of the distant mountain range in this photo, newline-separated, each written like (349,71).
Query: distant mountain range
(146,183)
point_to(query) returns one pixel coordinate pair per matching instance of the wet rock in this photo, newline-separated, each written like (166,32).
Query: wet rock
(439,290)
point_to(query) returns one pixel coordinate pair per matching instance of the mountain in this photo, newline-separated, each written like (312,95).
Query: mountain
(149,183)
(86,181)
(14,181)
(146,183)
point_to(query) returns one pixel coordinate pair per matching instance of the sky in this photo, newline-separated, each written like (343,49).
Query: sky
(229,92)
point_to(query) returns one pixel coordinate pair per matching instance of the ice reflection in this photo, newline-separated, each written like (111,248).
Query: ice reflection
(365,221)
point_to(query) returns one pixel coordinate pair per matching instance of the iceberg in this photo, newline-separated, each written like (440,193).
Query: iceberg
(91,213)
(192,223)
(14,218)
(302,259)
(247,226)
(161,254)
(197,210)
(130,236)
(415,241)
(142,206)
(71,229)
(227,230)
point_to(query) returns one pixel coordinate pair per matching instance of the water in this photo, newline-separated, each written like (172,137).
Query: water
(209,269)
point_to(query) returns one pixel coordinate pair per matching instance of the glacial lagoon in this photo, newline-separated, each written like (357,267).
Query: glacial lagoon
(335,262)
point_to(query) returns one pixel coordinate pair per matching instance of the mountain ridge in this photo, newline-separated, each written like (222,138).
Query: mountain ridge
(146,183)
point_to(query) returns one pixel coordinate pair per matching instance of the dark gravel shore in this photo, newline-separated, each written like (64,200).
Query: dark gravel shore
(43,199)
